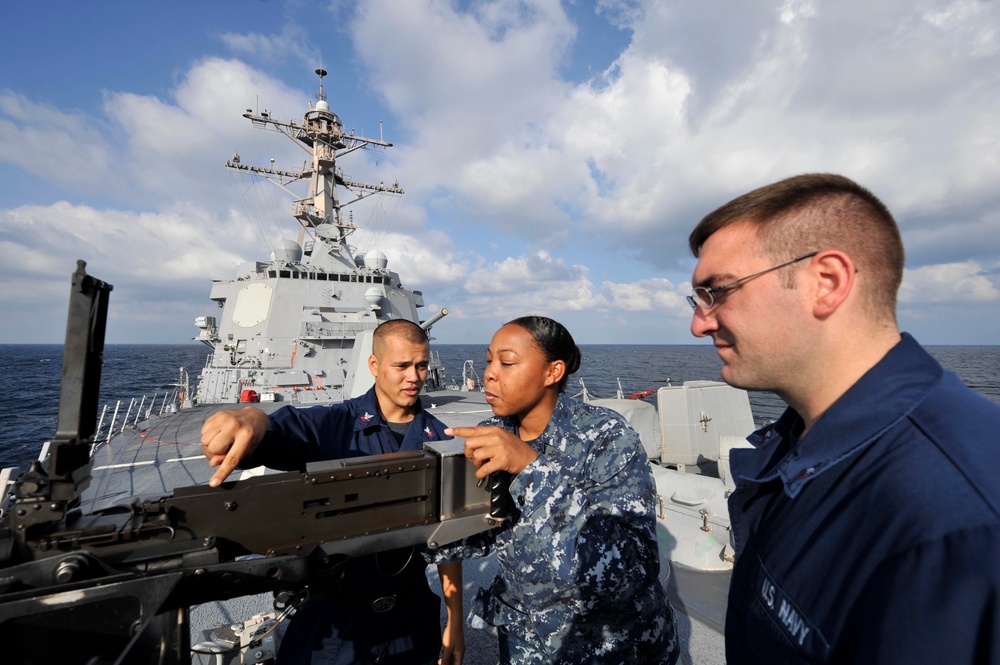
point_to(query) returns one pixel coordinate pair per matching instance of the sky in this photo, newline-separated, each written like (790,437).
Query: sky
(555,155)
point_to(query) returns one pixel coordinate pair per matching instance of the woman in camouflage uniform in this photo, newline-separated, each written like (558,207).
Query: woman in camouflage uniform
(578,580)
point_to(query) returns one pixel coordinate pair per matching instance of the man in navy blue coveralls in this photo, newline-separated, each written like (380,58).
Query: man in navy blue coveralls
(866,520)
(384,611)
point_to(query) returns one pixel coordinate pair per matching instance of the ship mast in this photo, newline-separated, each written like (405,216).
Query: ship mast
(321,134)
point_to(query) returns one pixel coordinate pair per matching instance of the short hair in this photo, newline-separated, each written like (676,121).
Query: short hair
(407,330)
(815,212)
(554,341)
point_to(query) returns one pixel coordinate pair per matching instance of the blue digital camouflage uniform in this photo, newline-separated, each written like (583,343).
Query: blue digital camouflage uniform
(579,566)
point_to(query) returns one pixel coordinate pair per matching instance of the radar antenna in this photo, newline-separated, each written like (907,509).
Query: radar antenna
(321,95)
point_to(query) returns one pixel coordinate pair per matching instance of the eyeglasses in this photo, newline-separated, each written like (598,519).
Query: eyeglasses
(704,297)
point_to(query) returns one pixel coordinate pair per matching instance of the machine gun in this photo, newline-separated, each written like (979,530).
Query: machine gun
(115,586)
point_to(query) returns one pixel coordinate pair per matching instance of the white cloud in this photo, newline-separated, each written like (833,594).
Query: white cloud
(698,106)
(518,275)
(467,85)
(648,295)
(181,244)
(65,147)
(963,282)
(423,260)
(542,283)
(161,265)
(292,43)
(176,147)
(511,166)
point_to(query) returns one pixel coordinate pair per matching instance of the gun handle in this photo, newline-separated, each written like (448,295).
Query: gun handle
(500,499)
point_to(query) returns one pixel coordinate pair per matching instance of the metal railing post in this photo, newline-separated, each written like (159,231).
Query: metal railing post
(128,414)
(114,418)
(138,412)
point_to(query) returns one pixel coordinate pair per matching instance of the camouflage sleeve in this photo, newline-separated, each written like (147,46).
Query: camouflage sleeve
(593,528)
(476,546)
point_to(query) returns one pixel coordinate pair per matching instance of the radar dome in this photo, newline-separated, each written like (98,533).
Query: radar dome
(321,105)
(287,250)
(359,260)
(376,260)
(373,295)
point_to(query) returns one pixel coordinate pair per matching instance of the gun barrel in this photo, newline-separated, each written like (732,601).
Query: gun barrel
(426,325)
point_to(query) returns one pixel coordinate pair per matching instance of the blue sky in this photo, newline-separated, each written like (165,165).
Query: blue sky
(555,155)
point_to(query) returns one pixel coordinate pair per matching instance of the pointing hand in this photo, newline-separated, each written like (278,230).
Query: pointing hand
(229,436)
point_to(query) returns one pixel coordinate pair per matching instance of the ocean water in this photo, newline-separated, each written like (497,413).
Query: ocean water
(32,373)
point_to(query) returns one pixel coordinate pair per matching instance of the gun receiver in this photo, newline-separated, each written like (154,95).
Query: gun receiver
(115,586)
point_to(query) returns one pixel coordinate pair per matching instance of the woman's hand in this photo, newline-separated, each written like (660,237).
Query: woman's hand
(494,449)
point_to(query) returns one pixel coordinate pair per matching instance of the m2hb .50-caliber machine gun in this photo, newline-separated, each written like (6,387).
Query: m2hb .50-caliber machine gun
(115,586)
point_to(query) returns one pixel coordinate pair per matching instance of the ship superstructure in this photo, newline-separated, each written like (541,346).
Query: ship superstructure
(298,328)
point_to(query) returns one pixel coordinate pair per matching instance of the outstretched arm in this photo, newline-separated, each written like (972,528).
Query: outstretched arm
(453,642)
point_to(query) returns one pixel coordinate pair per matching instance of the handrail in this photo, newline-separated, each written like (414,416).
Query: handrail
(141,413)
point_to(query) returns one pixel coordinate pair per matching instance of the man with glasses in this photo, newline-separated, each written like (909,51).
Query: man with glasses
(866,520)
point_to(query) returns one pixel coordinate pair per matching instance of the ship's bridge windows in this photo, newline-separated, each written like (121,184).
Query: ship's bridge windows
(320,276)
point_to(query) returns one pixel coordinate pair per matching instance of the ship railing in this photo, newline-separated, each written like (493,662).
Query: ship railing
(435,373)
(301,208)
(144,408)
(587,395)
(470,378)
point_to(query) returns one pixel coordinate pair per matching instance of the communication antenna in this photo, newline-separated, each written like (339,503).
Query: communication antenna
(321,95)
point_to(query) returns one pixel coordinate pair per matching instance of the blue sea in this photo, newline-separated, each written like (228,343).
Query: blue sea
(32,373)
